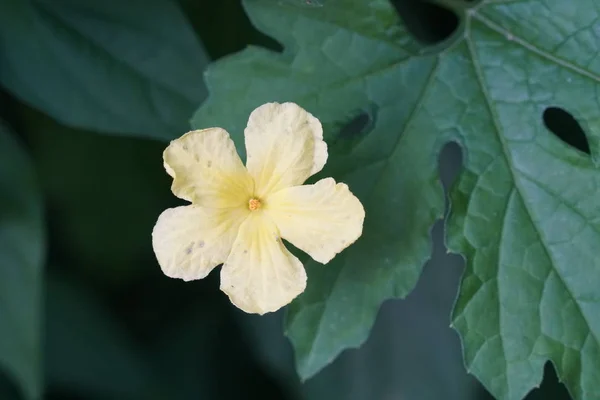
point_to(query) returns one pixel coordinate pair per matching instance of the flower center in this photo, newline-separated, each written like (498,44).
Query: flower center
(254,204)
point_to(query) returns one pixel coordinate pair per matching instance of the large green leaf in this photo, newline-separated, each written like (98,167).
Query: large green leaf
(524,210)
(104,65)
(22,245)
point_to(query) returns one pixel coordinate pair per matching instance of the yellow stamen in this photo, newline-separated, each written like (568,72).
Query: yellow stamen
(254,204)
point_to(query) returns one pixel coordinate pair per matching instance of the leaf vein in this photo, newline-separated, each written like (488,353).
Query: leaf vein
(534,49)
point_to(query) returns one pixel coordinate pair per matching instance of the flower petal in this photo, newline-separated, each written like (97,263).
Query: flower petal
(285,146)
(207,170)
(321,219)
(261,275)
(190,241)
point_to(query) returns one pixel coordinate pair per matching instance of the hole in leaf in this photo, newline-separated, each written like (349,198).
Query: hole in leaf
(450,164)
(427,22)
(356,126)
(353,131)
(566,128)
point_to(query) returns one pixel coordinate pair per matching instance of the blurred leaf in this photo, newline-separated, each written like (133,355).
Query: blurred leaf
(524,211)
(132,68)
(88,352)
(104,195)
(22,247)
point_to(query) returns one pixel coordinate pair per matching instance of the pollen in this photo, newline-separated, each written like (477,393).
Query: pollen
(254,204)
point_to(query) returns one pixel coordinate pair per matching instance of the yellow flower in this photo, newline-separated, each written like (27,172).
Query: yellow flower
(239,214)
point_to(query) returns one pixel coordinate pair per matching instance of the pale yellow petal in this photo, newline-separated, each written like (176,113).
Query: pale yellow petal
(261,275)
(321,219)
(284,146)
(190,241)
(207,170)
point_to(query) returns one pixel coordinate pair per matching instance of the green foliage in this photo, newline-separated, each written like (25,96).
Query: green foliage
(22,246)
(524,211)
(86,81)
(120,67)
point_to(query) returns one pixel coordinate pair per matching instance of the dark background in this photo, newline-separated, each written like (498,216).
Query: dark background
(116,328)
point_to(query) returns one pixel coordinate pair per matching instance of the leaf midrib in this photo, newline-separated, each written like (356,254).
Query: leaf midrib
(496,28)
